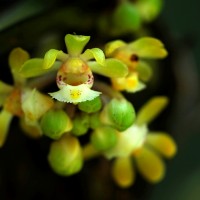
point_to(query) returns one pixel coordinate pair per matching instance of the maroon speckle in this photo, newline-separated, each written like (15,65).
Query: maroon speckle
(134,58)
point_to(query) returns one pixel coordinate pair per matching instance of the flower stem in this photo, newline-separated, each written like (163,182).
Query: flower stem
(107,90)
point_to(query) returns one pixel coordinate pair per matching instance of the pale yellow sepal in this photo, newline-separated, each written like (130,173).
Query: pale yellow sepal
(149,47)
(163,143)
(112,46)
(123,172)
(75,94)
(16,59)
(5,120)
(151,109)
(33,131)
(35,104)
(5,90)
(150,165)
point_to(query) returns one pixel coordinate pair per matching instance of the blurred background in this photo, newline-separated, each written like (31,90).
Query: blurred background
(40,25)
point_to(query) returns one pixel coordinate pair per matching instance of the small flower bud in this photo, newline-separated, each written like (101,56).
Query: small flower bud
(126,18)
(104,138)
(95,120)
(65,156)
(91,106)
(119,113)
(80,124)
(55,123)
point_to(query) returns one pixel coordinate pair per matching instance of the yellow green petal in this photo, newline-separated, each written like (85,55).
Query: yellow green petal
(89,151)
(5,120)
(94,53)
(112,68)
(144,71)
(151,109)
(5,90)
(112,46)
(51,56)
(163,143)
(33,131)
(150,165)
(76,43)
(17,58)
(149,47)
(34,67)
(123,172)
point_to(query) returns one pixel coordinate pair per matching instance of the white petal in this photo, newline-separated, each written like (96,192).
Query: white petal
(128,141)
(75,94)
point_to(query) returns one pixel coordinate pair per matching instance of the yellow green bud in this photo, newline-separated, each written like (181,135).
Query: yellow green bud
(65,156)
(126,17)
(104,138)
(55,123)
(80,124)
(119,113)
(95,120)
(91,106)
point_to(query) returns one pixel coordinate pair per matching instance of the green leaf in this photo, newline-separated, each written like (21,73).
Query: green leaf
(113,68)
(151,109)
(76,43)
(34,67)
(94,53)
(51,56)
(148,47)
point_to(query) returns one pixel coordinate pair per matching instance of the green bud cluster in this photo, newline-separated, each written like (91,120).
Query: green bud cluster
(91,106)
(80,124)
(119,113)
(55,123)
(104,138)
(65,156)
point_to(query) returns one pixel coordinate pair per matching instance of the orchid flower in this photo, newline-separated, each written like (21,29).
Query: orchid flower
(143,146)
(18,100)
(74,77)
(134,55)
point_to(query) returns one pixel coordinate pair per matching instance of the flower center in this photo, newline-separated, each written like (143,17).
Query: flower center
(74,72)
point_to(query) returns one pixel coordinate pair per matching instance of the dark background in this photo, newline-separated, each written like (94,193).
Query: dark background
(24,172)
